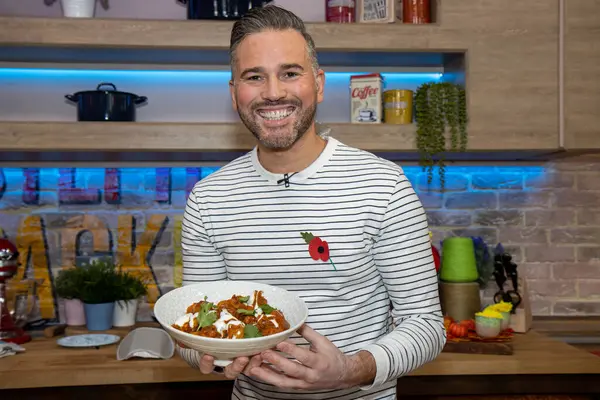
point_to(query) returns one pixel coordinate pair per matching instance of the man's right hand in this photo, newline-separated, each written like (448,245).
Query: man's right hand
(238,366)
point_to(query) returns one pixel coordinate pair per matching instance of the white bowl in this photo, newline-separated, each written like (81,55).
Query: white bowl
(174,303)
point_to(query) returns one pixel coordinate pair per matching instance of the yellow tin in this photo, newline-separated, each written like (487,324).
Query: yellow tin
(398,106)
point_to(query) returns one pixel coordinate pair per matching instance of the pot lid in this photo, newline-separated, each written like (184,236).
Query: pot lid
(105,91)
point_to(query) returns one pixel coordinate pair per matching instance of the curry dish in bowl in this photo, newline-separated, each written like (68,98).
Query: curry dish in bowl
(240,317)
(228,318)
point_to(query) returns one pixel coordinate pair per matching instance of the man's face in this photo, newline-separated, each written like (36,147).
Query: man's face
(274,89)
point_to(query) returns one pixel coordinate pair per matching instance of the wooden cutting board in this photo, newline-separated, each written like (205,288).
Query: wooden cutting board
(495,348)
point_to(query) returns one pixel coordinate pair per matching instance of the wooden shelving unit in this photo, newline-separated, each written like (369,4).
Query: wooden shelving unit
(200,35)
(507,57)
(140,136)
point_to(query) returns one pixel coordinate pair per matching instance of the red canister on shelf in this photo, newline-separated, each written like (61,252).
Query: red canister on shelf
(416,11)
(340,11)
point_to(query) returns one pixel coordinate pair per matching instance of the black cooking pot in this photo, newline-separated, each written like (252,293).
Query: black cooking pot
(220,9)
(106,105)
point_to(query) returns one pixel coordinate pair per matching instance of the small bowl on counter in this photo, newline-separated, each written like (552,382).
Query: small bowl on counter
(488,324)
(505,320)
(504,308)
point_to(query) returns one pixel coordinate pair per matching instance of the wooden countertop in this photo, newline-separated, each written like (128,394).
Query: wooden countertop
(45,364)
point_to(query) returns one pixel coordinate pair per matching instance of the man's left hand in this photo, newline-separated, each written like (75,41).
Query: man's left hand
(323,366)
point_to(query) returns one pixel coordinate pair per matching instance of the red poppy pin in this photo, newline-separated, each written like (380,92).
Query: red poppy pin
(317,248)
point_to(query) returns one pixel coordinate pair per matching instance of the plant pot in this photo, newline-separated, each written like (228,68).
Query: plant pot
(125,312)
(78,8)
(99,317)
(74,312)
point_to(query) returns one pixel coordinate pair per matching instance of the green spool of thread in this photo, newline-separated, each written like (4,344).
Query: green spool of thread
(458,260)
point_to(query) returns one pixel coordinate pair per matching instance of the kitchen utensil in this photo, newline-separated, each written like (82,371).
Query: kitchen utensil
(10,330)
(88,340)
(106,104)
(220,9)
(501,261)
(511,271)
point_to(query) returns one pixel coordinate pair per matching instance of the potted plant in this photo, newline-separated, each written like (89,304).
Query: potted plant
(68,286)
(100,290)
(78,8)
(130,289)
(440,111)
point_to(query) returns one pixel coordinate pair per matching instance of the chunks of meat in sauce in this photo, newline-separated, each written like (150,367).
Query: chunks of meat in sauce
(260,300)
(233,304)
(208,331)
(266,326)
(235,332)
(194,308)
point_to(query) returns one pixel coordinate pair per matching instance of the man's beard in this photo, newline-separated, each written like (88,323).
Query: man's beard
(280,138)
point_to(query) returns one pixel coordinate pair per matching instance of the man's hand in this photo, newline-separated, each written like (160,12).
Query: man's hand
(323,366)
(238,366)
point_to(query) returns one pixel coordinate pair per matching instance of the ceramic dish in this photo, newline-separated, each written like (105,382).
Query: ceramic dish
(173,305)
(487,327)
(88,340)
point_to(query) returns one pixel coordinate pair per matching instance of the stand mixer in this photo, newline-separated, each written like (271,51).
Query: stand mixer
(9,263)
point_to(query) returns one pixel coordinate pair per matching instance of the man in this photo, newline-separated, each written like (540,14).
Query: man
(339,226)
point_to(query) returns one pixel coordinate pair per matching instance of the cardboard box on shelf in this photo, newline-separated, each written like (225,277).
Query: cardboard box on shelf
(378,11)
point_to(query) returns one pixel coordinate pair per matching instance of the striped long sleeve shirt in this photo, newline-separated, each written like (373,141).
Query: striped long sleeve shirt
(377,290)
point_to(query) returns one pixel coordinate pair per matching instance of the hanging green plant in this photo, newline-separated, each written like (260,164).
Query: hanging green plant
(441,112)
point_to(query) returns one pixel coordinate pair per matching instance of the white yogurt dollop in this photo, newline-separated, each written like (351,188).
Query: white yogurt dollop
(225,321)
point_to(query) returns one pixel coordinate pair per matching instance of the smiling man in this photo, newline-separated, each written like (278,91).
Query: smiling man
(339,226)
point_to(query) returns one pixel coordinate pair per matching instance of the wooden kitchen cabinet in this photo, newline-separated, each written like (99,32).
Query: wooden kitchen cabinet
(582,75)
(511,65)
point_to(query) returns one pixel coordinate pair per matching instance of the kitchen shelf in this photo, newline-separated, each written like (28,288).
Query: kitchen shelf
(208,35)
(205,42)
(507,58)
(141,141)
(199,137)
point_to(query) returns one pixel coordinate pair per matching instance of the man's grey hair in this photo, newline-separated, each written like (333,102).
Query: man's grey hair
(269,18)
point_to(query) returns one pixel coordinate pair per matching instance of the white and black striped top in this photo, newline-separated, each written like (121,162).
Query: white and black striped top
(243,223)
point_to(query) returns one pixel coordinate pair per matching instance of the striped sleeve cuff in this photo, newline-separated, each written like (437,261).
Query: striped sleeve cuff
(382,361)
(190,356)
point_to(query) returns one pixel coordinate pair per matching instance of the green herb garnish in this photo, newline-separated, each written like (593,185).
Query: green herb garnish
(245,312)
(243,299)
(251,331)
(206,316)
(267,309)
